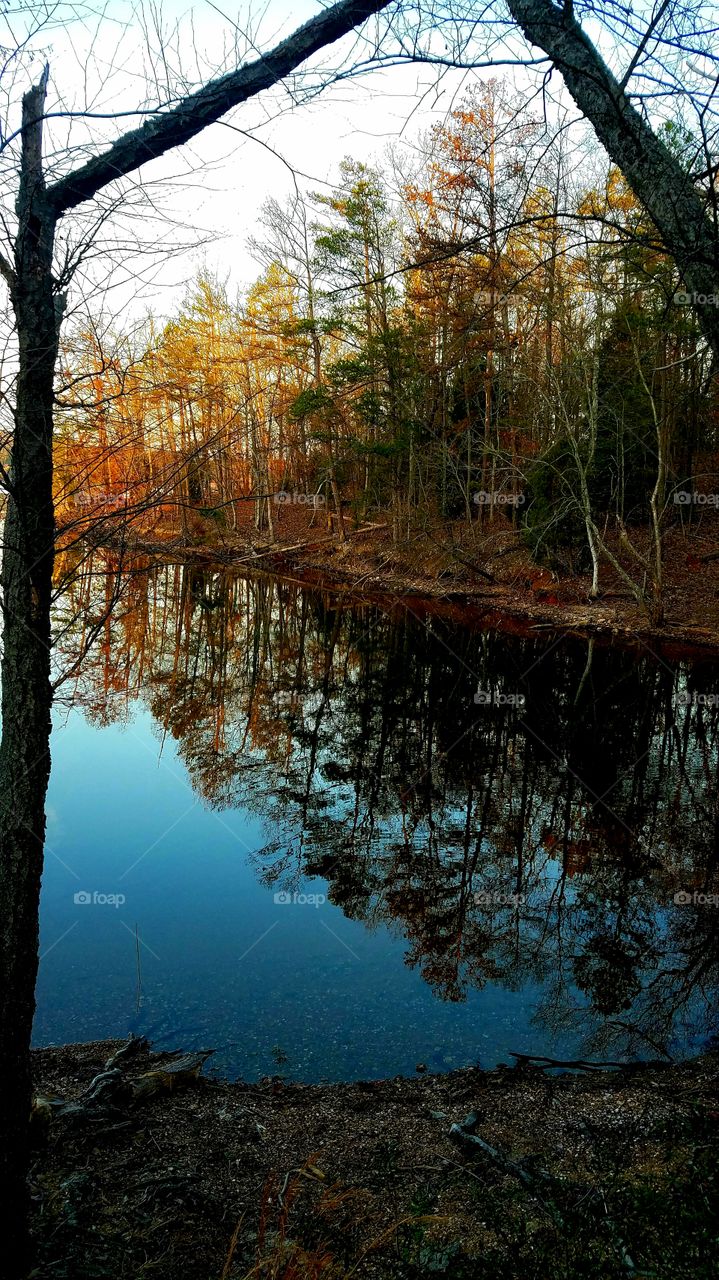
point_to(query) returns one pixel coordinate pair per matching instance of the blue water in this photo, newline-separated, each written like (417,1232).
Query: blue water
(212,762)
(222,964)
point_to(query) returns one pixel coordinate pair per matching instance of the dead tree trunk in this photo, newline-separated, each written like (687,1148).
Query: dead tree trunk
(26,582)
(656,177)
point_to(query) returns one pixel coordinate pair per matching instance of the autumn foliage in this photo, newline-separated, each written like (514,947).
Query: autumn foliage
(416,345)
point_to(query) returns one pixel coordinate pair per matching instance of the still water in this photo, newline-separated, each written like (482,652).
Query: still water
(335,842)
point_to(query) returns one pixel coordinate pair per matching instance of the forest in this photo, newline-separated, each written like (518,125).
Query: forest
(359,606)
(476,334)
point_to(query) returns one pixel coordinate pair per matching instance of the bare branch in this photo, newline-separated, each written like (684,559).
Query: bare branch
(209,104)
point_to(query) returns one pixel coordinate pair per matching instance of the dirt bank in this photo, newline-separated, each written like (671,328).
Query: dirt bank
(583,1173)
(484,579)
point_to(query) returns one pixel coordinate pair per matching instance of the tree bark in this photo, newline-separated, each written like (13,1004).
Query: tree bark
(656,177)
(26,582)
(28,551)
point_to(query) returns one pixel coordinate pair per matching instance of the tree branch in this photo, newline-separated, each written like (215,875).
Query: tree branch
(658,179)
(208,104)
(6,271)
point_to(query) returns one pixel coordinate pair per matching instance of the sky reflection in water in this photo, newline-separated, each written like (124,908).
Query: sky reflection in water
(234,741)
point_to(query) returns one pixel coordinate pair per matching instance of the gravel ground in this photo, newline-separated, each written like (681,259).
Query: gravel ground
(597,1174)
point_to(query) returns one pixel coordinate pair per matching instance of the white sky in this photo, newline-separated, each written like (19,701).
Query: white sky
(104,63)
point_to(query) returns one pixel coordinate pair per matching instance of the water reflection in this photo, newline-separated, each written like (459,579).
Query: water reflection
(531,837)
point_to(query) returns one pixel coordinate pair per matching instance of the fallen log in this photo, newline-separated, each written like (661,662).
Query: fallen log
(112,1089)
(170,1076)
(464,1135)
(132,1046)
(575,1064)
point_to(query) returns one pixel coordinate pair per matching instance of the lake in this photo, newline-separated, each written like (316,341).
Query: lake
(336,841)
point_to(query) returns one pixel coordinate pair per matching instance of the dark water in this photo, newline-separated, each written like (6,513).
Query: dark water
(465,877)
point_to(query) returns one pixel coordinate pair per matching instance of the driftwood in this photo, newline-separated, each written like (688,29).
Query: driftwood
(230,555)
(536,1181)
(112,1088)
(132,1046)
(472,564)
(279,549)
(574,1064)
(465,1136)
(169,1076)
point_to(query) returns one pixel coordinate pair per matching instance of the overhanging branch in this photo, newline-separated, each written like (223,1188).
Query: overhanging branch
(209,104)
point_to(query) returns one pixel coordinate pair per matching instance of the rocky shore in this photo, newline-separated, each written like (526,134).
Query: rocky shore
(146,1166)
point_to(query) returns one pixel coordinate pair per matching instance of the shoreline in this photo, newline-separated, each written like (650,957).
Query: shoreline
(349,572)
(462,1174)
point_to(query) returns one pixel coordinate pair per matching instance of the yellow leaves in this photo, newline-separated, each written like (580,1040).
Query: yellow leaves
(539,201)
(619,194)
(273,293)
(617,197)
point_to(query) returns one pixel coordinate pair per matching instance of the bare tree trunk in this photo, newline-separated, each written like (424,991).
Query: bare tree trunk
(593,397)
(26,582)
(658,499)
(26,575)
(336,495)
(656,177)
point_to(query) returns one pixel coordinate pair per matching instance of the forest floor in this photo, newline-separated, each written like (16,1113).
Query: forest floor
(592,1173)
(475,575)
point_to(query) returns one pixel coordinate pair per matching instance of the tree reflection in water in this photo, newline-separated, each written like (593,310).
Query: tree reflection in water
(524,843)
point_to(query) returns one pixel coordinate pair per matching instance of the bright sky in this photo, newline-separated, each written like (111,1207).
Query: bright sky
(105,62)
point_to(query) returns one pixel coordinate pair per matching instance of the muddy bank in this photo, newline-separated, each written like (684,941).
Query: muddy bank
(490,583)
(593,1173)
